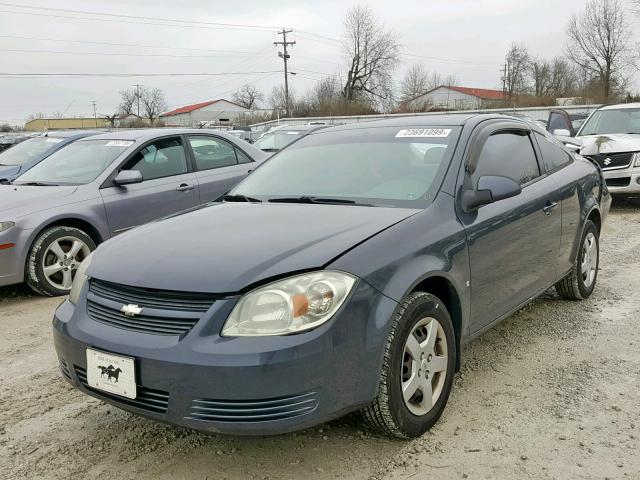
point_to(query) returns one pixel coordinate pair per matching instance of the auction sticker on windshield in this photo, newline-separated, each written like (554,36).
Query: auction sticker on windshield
(424,133)
(118,143)
(111,373)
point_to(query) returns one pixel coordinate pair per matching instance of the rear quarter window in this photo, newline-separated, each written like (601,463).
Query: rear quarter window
(553,155)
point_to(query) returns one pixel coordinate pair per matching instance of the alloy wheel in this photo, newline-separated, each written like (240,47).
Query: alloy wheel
(424,366)
(61,260)
(589,259)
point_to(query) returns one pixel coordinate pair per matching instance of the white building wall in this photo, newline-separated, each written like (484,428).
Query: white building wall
(443,97)
(223,112)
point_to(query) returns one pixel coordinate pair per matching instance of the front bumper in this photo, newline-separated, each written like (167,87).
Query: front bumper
(12,260)
(242,385)
(623,181)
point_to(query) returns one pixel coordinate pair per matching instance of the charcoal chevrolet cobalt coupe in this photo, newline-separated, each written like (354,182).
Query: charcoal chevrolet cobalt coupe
(343,274)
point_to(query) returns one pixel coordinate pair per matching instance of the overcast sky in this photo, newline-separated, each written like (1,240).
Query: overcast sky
(467,38)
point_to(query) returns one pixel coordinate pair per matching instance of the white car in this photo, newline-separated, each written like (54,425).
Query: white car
(611,137)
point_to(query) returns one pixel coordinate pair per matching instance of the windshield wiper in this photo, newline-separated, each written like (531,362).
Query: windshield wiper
(320,200)
(240,198)
(36,184)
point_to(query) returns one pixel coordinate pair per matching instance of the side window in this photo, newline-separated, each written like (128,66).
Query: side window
(507,154)
(242,157)
(212,152)
(162,158)
(553,155)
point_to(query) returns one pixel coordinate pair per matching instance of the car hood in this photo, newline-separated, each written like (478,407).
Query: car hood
(227,247)
(610,143)
(17,201)
(8,172)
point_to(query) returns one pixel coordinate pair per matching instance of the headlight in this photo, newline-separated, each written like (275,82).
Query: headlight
(289,306)
(6,225)
(635,158)
(79,280)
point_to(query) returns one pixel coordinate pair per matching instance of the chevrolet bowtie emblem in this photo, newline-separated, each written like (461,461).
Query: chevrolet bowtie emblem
(607,161)
(131,310)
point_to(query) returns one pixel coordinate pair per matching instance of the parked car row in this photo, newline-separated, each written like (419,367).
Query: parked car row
(610,136)
(345,273)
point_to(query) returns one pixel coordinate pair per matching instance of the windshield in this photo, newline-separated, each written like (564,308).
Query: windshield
(388,166)
(277,140)
(76,164)
(622,120)
(28,150)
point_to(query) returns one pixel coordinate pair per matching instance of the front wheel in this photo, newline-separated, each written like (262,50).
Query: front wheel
(579,283)
(417,371)
(54,258)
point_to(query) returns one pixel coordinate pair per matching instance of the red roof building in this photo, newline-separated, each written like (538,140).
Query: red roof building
(455,98)
(219,111)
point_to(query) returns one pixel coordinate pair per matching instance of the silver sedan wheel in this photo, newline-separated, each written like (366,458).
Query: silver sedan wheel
(61,260)
(424,366)
(589,259)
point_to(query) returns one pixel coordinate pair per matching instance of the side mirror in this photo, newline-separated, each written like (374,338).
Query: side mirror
(127,177)
(490,189)
(562,132)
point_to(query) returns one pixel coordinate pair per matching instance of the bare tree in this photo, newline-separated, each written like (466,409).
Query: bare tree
(372,53)
(248,96)
(517,64)
(598,42)
(418,80)
(112,119)
(277,99)
(541,77)
(153,102)
(128,99)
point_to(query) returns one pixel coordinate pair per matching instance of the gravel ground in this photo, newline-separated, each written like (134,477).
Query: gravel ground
(553,392)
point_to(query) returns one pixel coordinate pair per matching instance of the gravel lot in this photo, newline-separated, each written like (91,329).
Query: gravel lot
(553,392)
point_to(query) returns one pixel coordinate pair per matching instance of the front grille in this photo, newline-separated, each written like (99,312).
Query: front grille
(157,325)
(250,411)
(618,182)
(156,401)
(613,160)
(64,369)
(152,298)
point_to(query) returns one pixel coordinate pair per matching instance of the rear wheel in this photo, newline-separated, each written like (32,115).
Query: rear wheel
(418,368)
(54,258)
(581,280)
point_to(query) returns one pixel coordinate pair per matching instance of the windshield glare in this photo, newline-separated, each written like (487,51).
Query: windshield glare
(277,140)
(374,166)
(76,164)
(622,120)
(28,150)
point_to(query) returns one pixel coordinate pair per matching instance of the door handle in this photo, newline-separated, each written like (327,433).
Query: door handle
(549,207)
(185,187)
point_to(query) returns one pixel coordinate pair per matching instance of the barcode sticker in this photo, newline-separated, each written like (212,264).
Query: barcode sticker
(424,132)
(118,143)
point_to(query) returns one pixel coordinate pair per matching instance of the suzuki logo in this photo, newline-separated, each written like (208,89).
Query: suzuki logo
(131,310)
(607,161)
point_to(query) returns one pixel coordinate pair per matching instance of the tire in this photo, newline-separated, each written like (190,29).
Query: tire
(578,284)
(43,254)
(390,414)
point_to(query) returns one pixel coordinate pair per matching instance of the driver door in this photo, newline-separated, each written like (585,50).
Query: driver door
(168,186)
(513,243)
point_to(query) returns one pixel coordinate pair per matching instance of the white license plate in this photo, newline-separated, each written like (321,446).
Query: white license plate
(111,373)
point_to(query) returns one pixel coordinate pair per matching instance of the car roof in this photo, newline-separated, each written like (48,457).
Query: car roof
(297,128)
(420,121)
(620,106)
(144,134)
(71,133)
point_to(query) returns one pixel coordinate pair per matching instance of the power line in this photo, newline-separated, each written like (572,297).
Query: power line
(110,54)
(72,75)
(136,17)
(88,42)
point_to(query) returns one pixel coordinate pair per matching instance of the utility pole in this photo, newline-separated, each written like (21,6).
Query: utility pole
(505,74)
(137,85)
(285,57)
(95,115)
